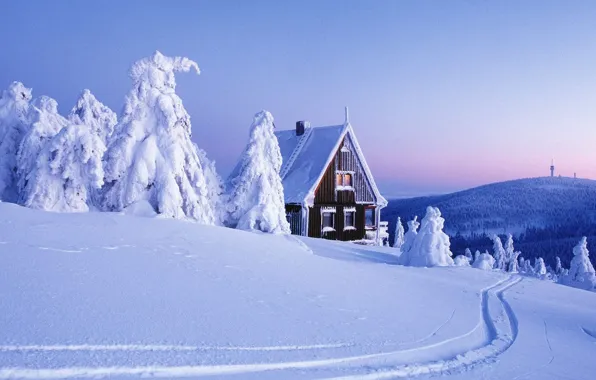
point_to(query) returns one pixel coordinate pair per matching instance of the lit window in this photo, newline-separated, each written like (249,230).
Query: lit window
(349,219)
(328,220)
(339,181)
(347,179)
(369,217)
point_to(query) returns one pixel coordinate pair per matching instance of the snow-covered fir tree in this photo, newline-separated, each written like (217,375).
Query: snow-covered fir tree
(410,236)
(431,245)
(528,268)
(509,251)
(256,191)
(521,261)
(150,156)
(476,255)
(499,253)
(67,169)
(484,261)
(558,266)
(14,124)
(468,254)
(398,240)
(215,187)
(45,124)
(97,116)
(581,271)
(540,268)
(513,266)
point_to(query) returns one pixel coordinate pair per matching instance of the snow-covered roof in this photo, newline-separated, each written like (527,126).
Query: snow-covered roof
(308,161)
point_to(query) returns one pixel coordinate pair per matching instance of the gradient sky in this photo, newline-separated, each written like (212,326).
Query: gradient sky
(443,94)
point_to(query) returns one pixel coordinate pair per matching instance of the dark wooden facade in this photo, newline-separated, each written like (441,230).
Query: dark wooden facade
(328,194)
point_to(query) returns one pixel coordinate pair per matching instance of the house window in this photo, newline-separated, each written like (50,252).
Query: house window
(344,179)
(349,220)
(369,217)
(328,219)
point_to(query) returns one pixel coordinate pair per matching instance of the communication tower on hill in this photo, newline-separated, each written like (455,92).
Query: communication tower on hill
(552,167)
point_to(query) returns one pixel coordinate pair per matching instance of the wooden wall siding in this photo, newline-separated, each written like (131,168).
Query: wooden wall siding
(346,197)
(294,217)
(325,192)
(315,227)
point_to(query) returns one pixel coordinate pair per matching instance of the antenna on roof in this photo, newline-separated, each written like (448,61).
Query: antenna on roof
(347,116)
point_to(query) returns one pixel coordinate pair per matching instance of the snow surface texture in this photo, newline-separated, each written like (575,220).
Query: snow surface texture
(80,299)
(151,156)
(256,192)
(14,109)
(431,245)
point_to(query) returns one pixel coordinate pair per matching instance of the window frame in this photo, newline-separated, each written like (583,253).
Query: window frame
(372,210)
(349,211)
(331,211)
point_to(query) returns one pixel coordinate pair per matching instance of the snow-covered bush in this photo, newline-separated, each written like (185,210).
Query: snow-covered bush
(461,261)
(398,240)
(256,191)
(67,169)
(431,244)
(45,124)
(476,255)
(484,261)
(522,263)
(150,155)
(499,253)
(468,254)
(410,236)
(558,266)
(528,268)
(91,112)
(14,124)
(581,271)
(540,268)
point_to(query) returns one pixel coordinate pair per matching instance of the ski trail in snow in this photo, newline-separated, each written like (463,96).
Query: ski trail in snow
(550,348)
(159,347)
(499,337)
(591,334)
(60,250)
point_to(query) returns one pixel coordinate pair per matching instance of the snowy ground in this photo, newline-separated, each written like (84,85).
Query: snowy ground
(93,295)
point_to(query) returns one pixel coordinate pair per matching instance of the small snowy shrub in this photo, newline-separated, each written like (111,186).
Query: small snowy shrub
(256,191)
(461,261)
(431,244)
(150,155)
(540,268)
(468,254)
(410,236)
(484,261)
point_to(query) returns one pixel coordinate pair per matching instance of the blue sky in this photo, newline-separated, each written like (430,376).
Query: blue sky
(443,95)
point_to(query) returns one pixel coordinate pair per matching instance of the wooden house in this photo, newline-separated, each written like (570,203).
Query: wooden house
(328,187)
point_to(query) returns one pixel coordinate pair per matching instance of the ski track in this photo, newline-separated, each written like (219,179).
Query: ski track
(160,347)
(496,341)
(591,334)
(60,250)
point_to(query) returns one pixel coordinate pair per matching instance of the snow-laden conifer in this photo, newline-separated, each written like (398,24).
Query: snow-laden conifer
(14,110)
(468,254)
(399,237)
(558,266)
(539,268)
(68,168)
(45,124)
(256,191)
(151,156)
(476,255)
(581,271)
(97,116)
(499,253)
(528,268)
(509,251)
(410,236)
(513,266)
(431,246)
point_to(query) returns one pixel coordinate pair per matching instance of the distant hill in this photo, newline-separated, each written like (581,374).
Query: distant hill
(542,211)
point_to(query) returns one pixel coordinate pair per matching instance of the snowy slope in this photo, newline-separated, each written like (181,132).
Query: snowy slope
(101,294)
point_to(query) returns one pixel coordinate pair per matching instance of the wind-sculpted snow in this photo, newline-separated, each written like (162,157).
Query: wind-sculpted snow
(133,297)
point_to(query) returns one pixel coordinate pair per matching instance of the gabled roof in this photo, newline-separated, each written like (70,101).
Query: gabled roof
(308,160)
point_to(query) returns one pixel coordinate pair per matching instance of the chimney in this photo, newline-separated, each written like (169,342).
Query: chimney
(300,126)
